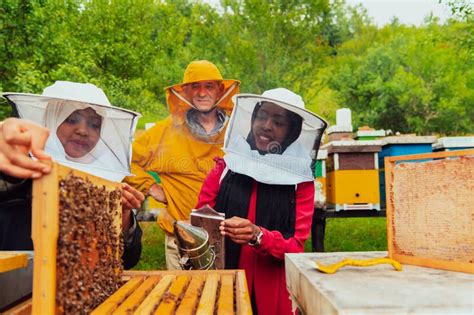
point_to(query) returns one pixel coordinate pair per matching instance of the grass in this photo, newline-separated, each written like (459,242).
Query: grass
(355,234)
(342,235)
(153,249)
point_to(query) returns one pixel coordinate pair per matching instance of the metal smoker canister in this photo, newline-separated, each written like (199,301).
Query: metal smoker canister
(193,246)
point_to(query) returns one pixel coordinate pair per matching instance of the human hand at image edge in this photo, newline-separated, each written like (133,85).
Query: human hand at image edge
(17,138)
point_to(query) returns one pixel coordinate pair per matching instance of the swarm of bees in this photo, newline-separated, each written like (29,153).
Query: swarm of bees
(90,246)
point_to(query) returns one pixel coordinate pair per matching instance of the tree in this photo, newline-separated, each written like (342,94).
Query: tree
(408,79)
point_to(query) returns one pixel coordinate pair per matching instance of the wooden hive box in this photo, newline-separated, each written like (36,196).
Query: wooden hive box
(320,168)
(352,174)
(180,292)
(430,210)
(76,232)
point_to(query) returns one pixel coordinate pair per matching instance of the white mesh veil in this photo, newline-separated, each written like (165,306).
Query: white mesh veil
(110,158)
(290,167)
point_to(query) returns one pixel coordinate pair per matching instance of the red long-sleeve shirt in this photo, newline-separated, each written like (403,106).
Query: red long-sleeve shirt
(264,266)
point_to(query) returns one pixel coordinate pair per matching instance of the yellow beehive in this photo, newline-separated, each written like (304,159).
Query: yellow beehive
(352,187)
(352,175)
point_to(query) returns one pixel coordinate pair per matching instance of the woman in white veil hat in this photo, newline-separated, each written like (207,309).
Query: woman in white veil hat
(264,185)
(86,133)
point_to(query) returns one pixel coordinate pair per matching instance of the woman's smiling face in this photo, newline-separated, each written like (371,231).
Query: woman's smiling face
(270,127)
(80,132)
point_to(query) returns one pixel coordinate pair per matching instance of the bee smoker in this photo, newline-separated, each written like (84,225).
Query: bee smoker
(193,246)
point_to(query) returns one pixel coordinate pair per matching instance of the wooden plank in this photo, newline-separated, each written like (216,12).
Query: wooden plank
(242,294)
(208,297)
(357,161)
(353,148)
(23,308)
(388,182)
(45,214)
(154,297)
(434,155)
(109,305)
(173,295)
(134,300)
(128,274)
(434,263)
(170,298)
(225,304)
(190,299)
(12,260)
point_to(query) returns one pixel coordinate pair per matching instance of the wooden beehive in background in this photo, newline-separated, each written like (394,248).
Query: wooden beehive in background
(76,232)
(352,174)
(430,210)
(180,292)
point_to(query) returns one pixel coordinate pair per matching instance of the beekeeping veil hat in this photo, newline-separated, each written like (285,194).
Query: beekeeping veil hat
(286,163)
(197,71)
(110,157)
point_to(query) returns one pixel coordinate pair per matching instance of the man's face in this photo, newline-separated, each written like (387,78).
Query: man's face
(80,132)
(204,94)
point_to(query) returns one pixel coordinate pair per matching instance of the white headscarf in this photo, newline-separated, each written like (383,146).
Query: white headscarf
(100,158)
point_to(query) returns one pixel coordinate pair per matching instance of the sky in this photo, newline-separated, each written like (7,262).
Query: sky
(407,11)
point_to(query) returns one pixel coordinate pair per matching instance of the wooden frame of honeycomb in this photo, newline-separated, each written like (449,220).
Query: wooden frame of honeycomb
(430,213)
(62,266)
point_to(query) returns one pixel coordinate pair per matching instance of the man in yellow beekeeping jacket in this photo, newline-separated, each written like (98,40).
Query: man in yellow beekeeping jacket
(181,148)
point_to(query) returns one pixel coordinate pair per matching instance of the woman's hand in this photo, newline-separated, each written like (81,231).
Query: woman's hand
(17,138)
(239,230)
(131,199)
(157,192)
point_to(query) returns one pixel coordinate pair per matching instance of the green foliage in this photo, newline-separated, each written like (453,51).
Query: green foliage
(396,77)
(408,79)
(461,8)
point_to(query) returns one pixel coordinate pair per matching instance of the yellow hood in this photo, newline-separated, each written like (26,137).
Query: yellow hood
(201,70)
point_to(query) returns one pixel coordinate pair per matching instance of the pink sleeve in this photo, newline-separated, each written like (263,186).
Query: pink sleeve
(273,242)
(210,186)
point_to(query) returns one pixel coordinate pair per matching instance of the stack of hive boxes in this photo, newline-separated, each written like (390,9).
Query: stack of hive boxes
(352,174)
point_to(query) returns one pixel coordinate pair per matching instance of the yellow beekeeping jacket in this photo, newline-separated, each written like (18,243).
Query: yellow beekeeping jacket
(181,161)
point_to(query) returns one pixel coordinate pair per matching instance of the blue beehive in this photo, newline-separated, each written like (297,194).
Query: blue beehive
(453,143)
(401,145)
